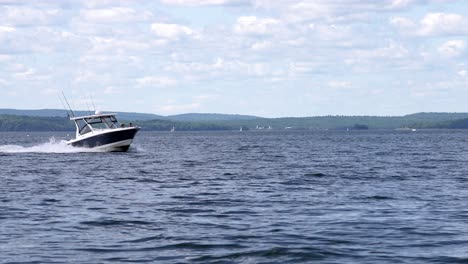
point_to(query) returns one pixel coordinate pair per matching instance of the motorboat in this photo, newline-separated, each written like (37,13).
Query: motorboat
(102,132)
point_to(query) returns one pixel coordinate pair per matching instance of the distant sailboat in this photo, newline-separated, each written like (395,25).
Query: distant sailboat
(240,129)
(173,129)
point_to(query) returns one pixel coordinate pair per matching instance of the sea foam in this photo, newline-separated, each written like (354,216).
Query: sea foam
(53,146)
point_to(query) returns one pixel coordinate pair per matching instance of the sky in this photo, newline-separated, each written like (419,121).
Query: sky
(257,57)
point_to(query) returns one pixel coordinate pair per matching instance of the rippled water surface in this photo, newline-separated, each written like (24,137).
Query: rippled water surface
(231,197)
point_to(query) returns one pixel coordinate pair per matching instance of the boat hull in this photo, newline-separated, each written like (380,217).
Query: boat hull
(117,140)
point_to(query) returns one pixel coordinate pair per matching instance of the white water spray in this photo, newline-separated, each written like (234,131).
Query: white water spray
(53,146)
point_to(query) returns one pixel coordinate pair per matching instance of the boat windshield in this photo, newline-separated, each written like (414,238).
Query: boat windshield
(105,122)
(102,122)
(83,128)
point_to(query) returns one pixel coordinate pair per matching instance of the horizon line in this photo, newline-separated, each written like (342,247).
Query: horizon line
(249,115)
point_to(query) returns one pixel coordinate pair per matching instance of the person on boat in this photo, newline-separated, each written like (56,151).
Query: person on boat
(122,125)
(130,125)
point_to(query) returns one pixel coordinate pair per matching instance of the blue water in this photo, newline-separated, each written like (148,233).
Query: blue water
(232,197)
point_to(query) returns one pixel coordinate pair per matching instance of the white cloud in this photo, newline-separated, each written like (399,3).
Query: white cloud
(197,68)
(332,32)
(104,3)
(392,51)
(156,81)
(40,39)
(404,24)
(309,10)
(256,26)
(205,2)
(87,76)
(27,16)
(116,46)
(179,108)
(114,15)
(172,31)
(5,58)
(219,68)
(337,11)
(25,74)
(452,48)
(29,74)
(262,45)
(112,67)
(402,4)
(339,84)
(50,91)
(298,68)
(393,56)
(433,24)
(397,4)
(6,29)
(257,69)
(111,90)
(442,23)
(205,97)
(119,45)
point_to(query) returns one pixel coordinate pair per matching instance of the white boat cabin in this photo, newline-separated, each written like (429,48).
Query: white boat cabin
(96,122)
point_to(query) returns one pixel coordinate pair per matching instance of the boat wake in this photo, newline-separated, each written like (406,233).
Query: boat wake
(136,148)
(53,146)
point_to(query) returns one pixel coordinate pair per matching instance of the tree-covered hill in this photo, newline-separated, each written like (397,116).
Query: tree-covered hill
(40,124)
(453,124)
(63,113)
(30,123)
(167,125)
(421,120)
(334,122)
(196,117)
(190,117)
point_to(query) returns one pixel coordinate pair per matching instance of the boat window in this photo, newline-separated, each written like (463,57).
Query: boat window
(97,123)
(110,121)
(83,128)
(114,121)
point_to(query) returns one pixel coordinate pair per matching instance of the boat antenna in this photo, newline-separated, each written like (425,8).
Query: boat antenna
(87,106)
(63,105)
(92,101)
(64,97)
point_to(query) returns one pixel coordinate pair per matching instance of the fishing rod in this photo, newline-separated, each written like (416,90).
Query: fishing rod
(92,101)
(63,105)
(64,97)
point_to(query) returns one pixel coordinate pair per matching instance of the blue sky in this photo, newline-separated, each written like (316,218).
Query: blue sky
(258,57)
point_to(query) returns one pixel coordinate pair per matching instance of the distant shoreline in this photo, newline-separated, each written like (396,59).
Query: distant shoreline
(219,122)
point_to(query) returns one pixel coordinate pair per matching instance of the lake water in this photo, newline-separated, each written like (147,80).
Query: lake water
(237,197)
